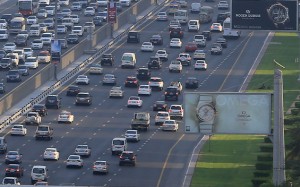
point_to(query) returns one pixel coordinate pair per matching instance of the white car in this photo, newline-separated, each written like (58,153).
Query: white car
(50,10)
(100,167)
(47,37)
(65,117)
(134,101)
(216,27)
(175,42)
(199,55)
(169,125)
(162,54)
(132,135)
(75,161)
(79,30)
(126,3)
(176,66)
(223,5)
(43,27)
(37,44)
(32,20)
(75,18)
(162,16)
(10,181)
(83,150)
(31,62)
(176,111)
(61,29)
(200,65)
(18,130)
(96,69)
(42,13)
(51,153)
(161,116)
(147,46)
(66,11)
(116,91)
(102,3)
(9,47)
(3,24)
(82,79)
(28,52)
(144,90)
(4,34)
(156,83)
(89,11)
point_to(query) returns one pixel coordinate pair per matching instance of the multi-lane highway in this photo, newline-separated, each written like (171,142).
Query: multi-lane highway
(162,157)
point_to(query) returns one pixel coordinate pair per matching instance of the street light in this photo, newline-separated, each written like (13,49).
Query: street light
(55,37)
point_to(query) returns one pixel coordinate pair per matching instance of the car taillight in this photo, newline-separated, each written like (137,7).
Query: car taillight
(170,111)
(6,169)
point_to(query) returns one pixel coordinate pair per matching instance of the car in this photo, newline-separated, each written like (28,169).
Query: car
(95,69)
(169,125)
(44,57)
(131,81)
(156,83)
(176,111)
(83,150)
(82,79)
(107,59)
(43,27)
(176,33)
(75,18)
(160,106)
(200,40)
(7,17)
(37,44)
(132,135)
(65,117)
(222,16)
(109,79)
(76,6)
(21,40)
(192,83)
(50,10)
(100,166)
(102,3)
(125,3)
(39,173)
(10,181)
(177,85)
(157,39)
(61,29)
(200,65)
(51,153)
(205,17)
(162,16)
(53,101)
(144,90)
(72,39)
(41,183)
(216,27)
(116,91)
(14,170)
(2,88)
(199,54)
(171,93)
(133,37)
(63,43)
(89,11)
(147,46)
(83,98)
(127,157)
(175,66)
(79,30)
(193,25)
(42,13)
(207,35)
(103,15)
(2,53)
(154,63)
(47,37)
(40,108)
(18,129)
(97,20)
(66,11)
(13,76)
(13,157)
(222,41)
(175,42)
(95,5)
(49,22)
(161,116)
(223,5)
(191,47)
(128,60)
(3,145)
(73,90)
(216,49)
(143,73)
(162,54)
(31,62)
(3,24)
(9,47)
(134,101)
(174,24)
(74,161)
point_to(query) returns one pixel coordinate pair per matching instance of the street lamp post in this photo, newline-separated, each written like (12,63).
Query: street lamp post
(55,37)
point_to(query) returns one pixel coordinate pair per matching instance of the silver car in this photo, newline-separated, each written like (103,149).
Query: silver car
(83,150)
(109,79)
(100,167)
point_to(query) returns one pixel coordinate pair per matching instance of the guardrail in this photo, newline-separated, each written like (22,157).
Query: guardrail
(69,75)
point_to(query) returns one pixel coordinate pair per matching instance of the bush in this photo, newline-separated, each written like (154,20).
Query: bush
(258,181)
(291,119)
(261,173)
(267,139)
(265,157)
(295,111)
(264,165)
(268,148)
(297,104)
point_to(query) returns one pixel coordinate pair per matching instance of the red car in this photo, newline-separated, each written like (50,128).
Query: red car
(191,47)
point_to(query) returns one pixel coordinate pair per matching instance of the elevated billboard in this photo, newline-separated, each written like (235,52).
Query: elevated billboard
(265,15)
(227,113)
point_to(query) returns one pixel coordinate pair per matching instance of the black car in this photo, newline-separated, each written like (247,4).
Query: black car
(131,82)
(143,73)
(13,76)
(222,41)
(53,101)
(127,157)
(133,37)
(160,106)
(73,90)
(21,40)
(107,59)
(207,35)
(72,39)
(14,170)
(176,33)
(157,39)
(63,43)
(2,88)
(83,98)
(23,70)
(40,108)
(97,20)
(2,54)
(192,83)
(171,93)
(7,17)
(154,63)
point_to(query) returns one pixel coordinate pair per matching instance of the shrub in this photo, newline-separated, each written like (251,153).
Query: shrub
(261,173)
(264,165)
(295,111)
(291,119)
(266,148)
(267,139)
(258,181)
(297,104)
(265,157)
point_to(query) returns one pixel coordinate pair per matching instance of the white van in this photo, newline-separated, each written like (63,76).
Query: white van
(194,25)
(118,145)
(39,173)
(195,7)
(128,60)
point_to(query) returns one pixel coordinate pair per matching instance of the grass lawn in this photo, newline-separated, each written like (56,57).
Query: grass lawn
(228,160)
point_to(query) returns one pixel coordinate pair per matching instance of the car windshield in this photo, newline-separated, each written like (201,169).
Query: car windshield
(118,142)
(129,58)
(38,107)
(73,157)
(12,153)
(134,98)
(175,107)
(82,147)
(162,114)
(17,126)
(82,95)
(38,170)
(9,181)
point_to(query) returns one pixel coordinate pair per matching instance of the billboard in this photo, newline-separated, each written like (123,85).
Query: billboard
(227,113)
(112,12)
(264,15)
(55,51)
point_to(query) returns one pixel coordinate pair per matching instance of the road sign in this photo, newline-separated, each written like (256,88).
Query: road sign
(112,12)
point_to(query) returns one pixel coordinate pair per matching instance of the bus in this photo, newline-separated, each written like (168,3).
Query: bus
(228,32)
(17,24)
(181,16)
(28,7)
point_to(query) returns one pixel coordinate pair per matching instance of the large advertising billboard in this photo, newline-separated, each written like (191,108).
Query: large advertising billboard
(227,113)
(112,12)
(264,15)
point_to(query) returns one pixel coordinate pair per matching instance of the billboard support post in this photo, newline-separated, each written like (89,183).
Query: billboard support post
(278,133)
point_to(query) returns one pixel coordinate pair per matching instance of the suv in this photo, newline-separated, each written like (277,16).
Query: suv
(83,98)
(6,63)
(53,101)
(156,82)
(176,111)
(176,33)
(107,59)
(143,73)
(39,173)
(13,76)
(40,108)
(3,145)
(171,93)
(154,62)
(127,157)
(133,37)
(131,82)
(21,40)
(44,132)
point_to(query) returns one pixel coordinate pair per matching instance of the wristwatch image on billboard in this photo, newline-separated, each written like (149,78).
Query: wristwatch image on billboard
(279,15)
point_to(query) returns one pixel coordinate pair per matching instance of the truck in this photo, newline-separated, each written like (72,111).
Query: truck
(140,121)
(44,132)
(33,118)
